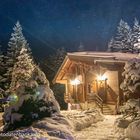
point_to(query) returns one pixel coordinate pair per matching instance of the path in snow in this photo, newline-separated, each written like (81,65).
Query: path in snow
(102,130)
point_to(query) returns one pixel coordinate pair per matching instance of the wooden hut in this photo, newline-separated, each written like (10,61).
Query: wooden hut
(93,79)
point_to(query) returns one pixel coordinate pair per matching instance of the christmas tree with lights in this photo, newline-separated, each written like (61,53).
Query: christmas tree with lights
(16,42)
(31,97)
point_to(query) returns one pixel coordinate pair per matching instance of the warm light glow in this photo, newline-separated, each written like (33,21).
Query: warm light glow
(13,98)
(101,77)
(75,82)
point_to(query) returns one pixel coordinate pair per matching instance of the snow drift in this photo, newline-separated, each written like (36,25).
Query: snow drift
(128,126)
(83,119)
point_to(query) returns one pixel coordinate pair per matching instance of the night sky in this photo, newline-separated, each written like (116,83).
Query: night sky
(50,24)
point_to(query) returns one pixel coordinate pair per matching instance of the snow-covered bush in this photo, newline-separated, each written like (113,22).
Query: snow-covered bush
(128,126)
(131,109)
(133,130)
(50,128)
(131,82)
(120,125)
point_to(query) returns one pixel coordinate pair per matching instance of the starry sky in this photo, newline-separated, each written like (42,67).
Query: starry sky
(50,24)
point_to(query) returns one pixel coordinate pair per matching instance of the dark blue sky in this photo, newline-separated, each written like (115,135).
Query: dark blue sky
(49,24)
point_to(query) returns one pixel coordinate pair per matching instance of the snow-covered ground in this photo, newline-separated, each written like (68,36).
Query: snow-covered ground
(76,125)
(102,130)
(49,128)
(60,127)
(83,119)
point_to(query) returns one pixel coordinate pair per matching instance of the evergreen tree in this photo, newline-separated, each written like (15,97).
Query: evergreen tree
(50,67)
(131,82)
(136,36)
(2,70)
(15,44)
(31,97)
(136,48)
(136,31)
(23,68)
(54,62)
(123,39)
(111,46)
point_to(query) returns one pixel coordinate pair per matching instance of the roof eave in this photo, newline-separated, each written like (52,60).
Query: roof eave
(57,74)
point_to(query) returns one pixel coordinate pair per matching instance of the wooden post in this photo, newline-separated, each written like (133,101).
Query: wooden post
(83,83)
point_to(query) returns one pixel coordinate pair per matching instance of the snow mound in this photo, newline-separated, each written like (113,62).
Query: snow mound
(119,127)
(83,119)
(54,128)
(133,130)
(128,126)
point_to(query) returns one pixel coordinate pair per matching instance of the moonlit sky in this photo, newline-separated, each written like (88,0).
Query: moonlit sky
(50,24)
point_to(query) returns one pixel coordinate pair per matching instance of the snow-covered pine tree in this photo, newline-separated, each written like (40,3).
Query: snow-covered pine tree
(2,70)
(111,45)
(136,48)
(22,70)
(31,98)
(123,39)
(131,82)
(15,44)
(136,30)
(54,61)
(136,36)
(81,47)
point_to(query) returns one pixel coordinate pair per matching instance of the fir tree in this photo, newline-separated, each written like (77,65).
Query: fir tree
(51,66)
(123,41)
(123,37)
(136,48)
(15,44)
(54,61)
(23,68)
(111,45)
(2,70)
(31,97)
(136,36)
(136,31)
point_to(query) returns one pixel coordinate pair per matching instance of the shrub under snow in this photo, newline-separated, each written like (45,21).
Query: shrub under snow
(128,126)
(56,127)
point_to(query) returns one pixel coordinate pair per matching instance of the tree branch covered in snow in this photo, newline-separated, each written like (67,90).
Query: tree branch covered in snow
(131,109)
(131,82)
(126,39)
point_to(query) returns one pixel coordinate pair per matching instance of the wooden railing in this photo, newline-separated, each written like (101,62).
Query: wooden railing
(90,99)
(95,98)
(99,102)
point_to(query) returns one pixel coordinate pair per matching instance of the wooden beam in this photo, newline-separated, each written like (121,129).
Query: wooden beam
(61,81)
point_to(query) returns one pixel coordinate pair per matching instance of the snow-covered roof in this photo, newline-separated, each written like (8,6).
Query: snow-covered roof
(93,57)
(104,55)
